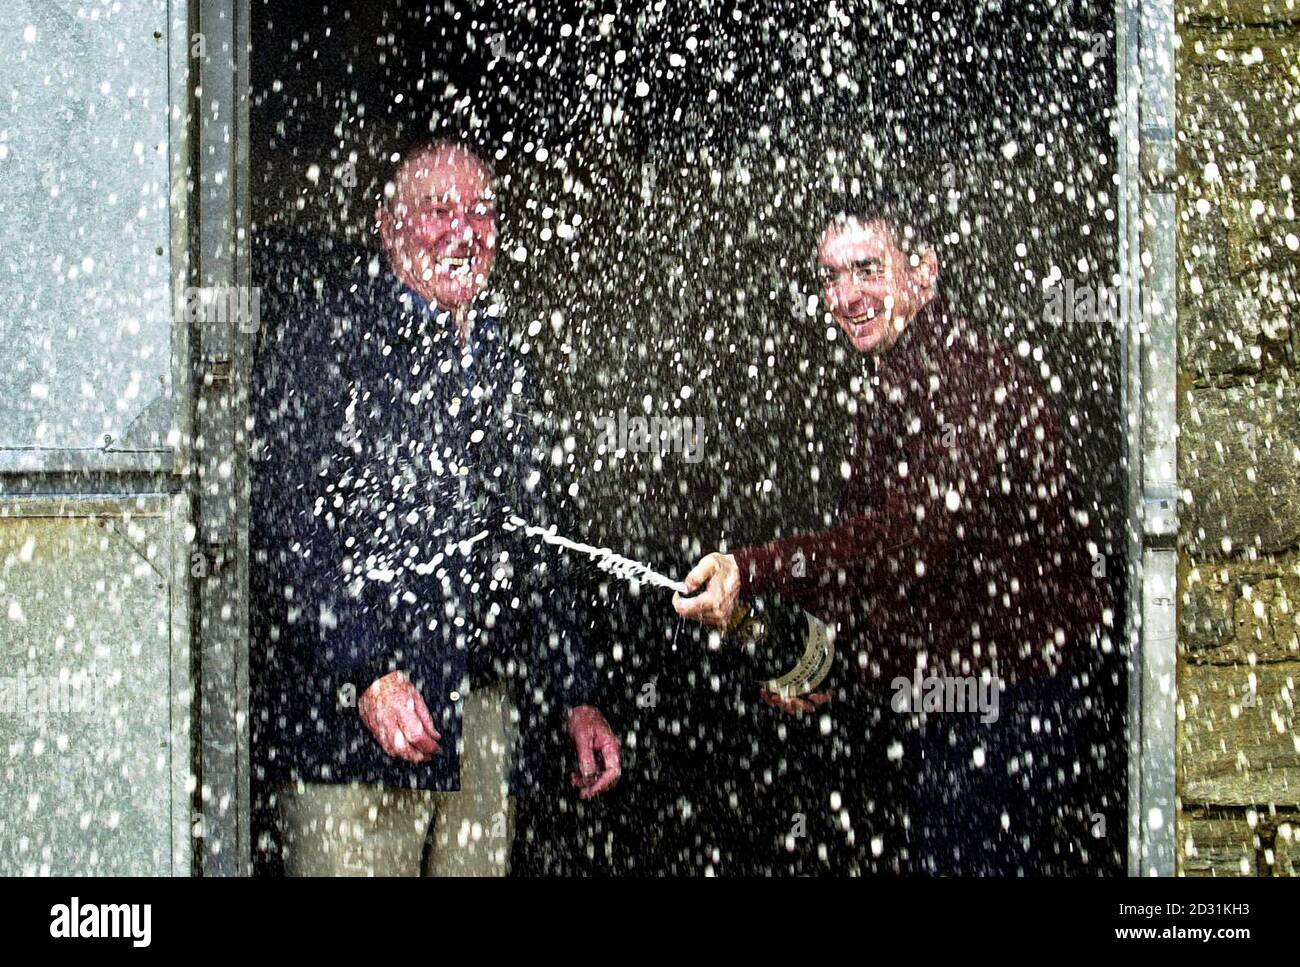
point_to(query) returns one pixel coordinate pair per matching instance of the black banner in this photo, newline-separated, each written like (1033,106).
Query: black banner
(225,918)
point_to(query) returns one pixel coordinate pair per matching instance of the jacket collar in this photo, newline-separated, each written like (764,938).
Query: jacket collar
(422,318)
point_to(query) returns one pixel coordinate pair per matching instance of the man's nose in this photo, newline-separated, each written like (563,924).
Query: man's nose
(846,296)
(461,229)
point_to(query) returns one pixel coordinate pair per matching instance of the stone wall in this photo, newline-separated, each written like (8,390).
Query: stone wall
(1238,80)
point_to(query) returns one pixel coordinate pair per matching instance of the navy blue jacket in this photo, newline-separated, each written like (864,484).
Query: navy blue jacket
(385,458)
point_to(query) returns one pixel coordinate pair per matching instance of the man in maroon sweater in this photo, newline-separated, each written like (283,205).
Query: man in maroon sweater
(961,565)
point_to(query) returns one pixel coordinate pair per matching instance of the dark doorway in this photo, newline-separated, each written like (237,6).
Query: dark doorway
(661,172)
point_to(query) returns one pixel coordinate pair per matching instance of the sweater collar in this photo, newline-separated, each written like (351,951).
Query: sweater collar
(923,346)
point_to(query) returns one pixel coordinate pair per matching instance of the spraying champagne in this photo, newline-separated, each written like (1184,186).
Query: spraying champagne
(793,649)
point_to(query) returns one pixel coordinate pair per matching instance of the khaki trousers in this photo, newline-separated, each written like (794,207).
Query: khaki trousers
(362,830)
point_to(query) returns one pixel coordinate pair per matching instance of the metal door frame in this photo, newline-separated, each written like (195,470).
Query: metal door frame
(1145,36)
(220,359)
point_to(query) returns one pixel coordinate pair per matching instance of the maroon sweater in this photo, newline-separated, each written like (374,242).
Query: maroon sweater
(959,535)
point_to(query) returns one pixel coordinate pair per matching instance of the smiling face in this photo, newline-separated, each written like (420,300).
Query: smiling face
(872,288)
(439,224)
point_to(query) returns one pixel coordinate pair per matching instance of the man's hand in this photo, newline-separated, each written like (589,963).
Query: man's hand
(795,704)
(396,715)
(593,737)
(714,605)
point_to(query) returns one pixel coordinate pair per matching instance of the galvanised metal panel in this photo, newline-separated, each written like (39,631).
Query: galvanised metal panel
(85,226)
(95,694)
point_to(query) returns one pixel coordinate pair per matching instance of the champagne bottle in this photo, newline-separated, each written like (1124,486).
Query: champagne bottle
(792,650)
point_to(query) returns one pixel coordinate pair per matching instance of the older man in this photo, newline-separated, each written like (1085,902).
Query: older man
(406,635)
(961,565)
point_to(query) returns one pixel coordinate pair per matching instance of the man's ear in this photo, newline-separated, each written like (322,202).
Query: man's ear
(929,269)
(384,221)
